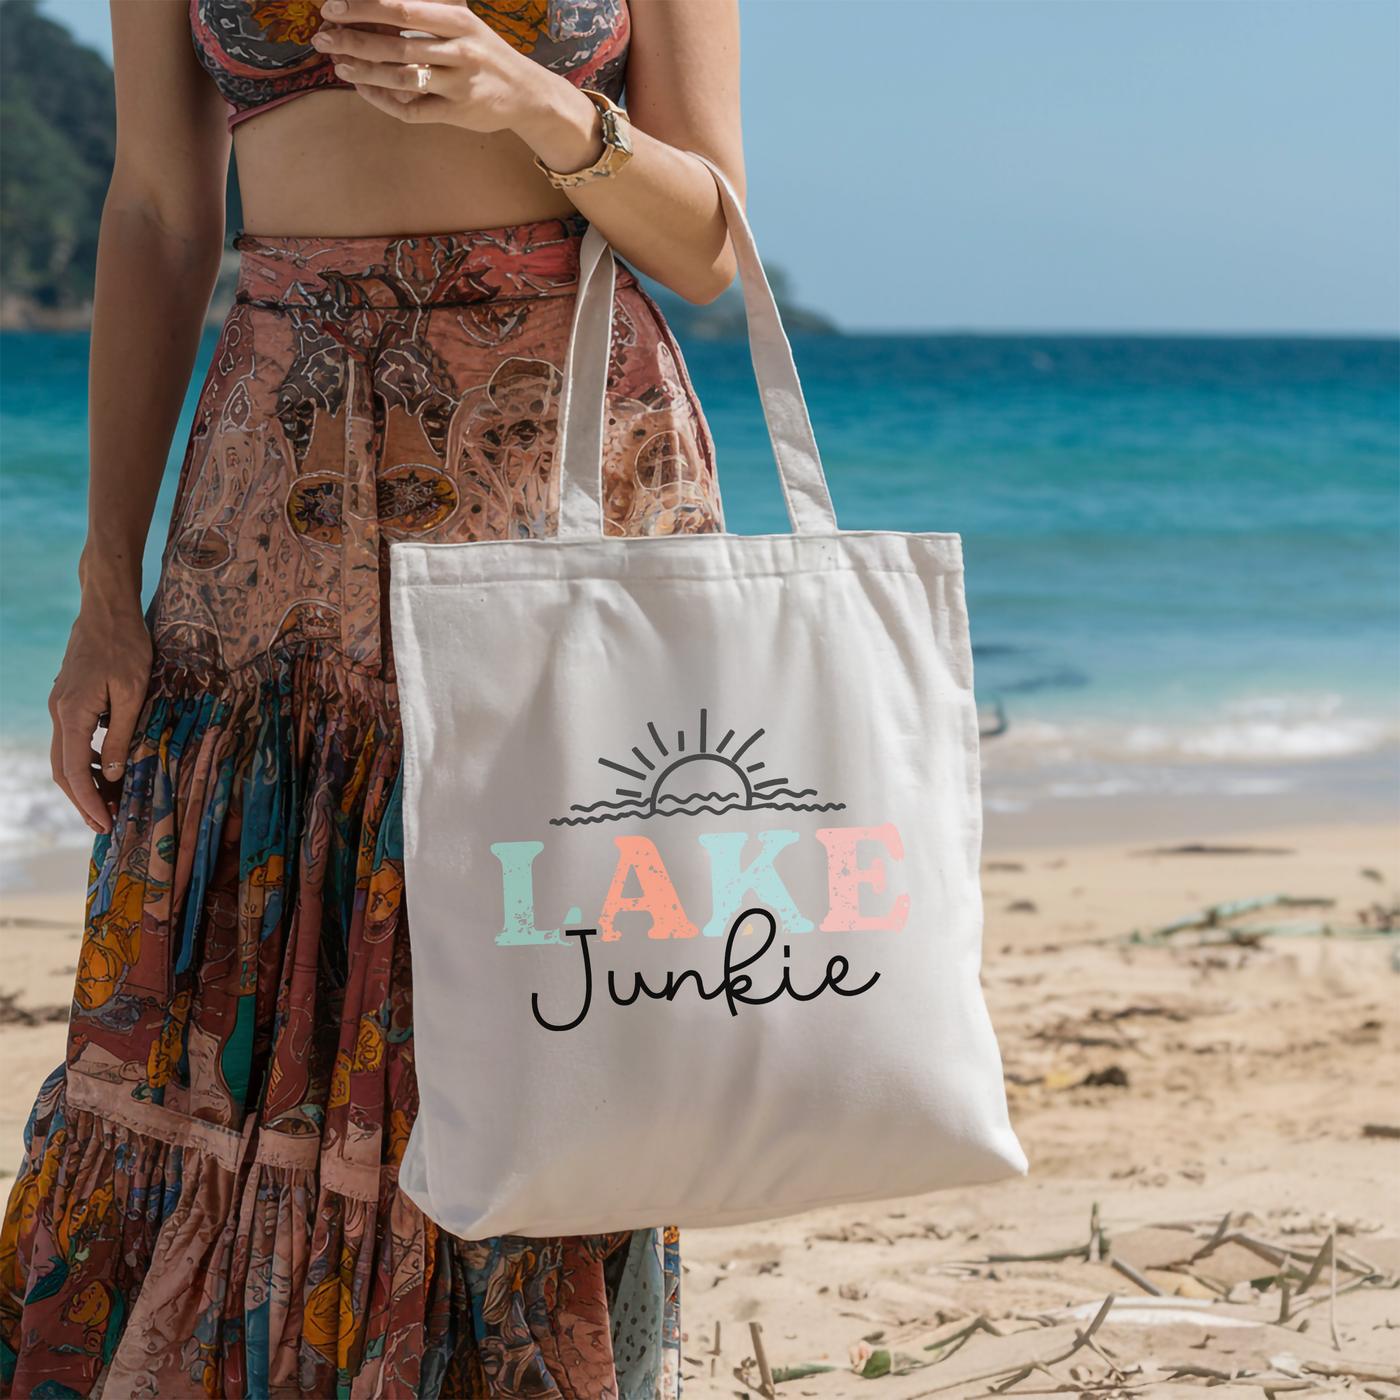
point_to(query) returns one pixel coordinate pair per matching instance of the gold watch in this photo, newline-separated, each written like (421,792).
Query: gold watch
(617,146)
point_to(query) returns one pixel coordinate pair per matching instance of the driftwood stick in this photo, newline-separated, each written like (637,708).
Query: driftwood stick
(1082,1338)
(1357,1370)
(765,1375)
(961,1334)
(993,1373)
(1276,1254)
(1332,1297)
(1318,1261)
(1088,1388)
(1141,1280)
(1262,1248)
(1356,1263)
(1010,1381)
(989,1375)
(1209,1373)
(1214,1239)
(1050,1255)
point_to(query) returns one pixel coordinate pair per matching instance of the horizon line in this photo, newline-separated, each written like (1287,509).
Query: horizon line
(943,333)
(1004,333)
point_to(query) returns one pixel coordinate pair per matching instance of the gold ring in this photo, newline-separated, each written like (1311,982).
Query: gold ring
(425,75)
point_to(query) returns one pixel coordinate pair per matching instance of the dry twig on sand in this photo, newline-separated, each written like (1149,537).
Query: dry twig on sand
(1020,1369)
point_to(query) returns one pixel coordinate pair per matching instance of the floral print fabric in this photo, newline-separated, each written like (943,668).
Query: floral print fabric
(208,1203)
(259,52)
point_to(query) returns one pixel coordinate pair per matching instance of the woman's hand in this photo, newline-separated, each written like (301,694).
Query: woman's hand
(105,673)
(661,210)
(475,79)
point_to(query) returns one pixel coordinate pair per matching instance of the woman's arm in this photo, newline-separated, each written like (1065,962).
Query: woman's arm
(157,262)
(661,211)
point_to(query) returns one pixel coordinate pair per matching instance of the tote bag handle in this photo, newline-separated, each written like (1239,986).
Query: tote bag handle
(582,407)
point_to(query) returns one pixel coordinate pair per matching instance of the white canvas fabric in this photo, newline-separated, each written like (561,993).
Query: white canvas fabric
(691,838)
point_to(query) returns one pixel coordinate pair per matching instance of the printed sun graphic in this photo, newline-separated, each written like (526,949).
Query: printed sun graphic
(693,778)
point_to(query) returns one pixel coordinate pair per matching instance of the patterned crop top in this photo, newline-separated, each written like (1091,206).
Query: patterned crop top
(259,52)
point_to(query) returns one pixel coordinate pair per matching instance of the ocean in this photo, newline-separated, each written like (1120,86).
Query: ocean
(1183,555)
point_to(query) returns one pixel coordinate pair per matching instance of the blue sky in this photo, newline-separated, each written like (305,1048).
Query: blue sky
(1078,165)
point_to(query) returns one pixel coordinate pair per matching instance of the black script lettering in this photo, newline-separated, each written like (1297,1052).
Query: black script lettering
(667,993)
(734,991)
(583,935)
(833,979)
(736,985)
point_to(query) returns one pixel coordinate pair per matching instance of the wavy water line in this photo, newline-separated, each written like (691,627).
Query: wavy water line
(697,796)
(692,797)
(703,796)
(602,802)
(714,811)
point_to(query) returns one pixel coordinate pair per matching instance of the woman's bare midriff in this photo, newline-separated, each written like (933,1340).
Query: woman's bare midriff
(327,164)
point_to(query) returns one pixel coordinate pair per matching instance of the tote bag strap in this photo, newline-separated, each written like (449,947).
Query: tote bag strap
(582,406)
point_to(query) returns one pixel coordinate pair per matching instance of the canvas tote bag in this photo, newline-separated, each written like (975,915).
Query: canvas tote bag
(691,841)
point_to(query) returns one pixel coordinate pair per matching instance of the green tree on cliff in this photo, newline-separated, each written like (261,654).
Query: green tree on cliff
(57,141)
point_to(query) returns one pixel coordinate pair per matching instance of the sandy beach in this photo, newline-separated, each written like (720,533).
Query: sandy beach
(1167,1082)
(1243,1065)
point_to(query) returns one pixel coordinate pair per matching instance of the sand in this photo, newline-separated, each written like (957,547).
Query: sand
(1235,1077)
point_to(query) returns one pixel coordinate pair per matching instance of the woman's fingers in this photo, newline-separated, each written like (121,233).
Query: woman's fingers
(388,76)
(343,43)
(74,722)
(101,685)
(447,20)
(56,762)
(121,725)
(384,61)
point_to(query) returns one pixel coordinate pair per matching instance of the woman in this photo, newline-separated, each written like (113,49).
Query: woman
(209,1203)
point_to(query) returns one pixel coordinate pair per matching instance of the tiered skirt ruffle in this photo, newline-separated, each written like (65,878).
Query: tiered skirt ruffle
(209,1202)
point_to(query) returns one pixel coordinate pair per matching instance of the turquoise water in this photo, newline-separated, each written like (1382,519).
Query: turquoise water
(1179,552)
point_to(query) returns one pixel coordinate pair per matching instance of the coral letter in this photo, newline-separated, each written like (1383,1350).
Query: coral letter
(658,896)
(730,884)
(844,877)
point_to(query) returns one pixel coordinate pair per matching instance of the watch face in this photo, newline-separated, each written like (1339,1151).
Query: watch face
(616,134)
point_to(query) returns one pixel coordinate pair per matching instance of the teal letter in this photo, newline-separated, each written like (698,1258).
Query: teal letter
(518,883)
(731,885)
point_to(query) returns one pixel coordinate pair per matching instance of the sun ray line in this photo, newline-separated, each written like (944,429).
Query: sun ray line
(657,738)
(739,753)
(752,767)
(627,792)
(702,731)
(631,772)
(680,741)
(770,782)
(643,759)
(724,741)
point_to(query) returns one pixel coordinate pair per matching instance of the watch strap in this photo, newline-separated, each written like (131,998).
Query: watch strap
(617,146)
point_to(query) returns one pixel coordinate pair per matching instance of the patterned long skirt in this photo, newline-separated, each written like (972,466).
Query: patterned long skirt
(208,1203)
